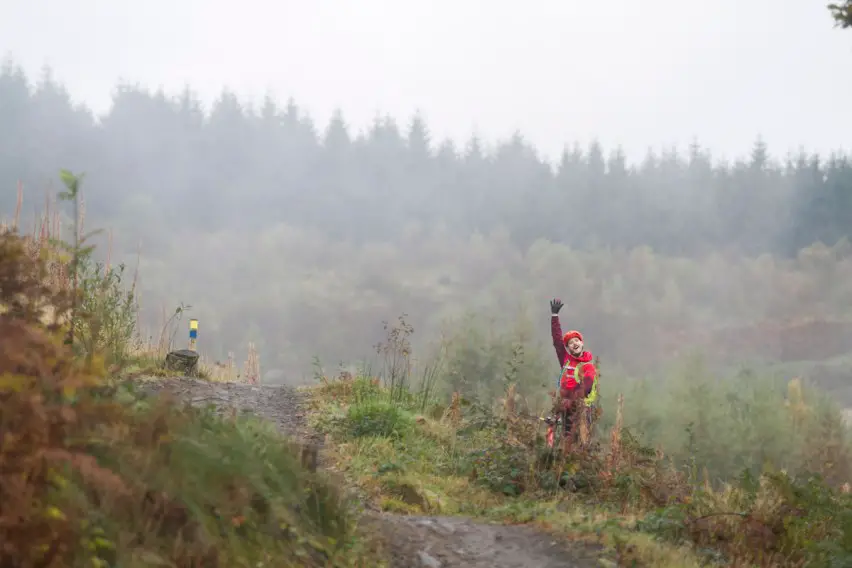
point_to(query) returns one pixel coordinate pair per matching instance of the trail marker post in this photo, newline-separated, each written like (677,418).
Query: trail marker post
(193,334)
(186,360)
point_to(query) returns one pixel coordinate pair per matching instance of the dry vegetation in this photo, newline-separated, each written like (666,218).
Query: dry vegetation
(112,305)
(412,448)
(94,474)
(689,467)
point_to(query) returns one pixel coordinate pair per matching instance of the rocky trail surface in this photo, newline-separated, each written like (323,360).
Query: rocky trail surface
(413,542)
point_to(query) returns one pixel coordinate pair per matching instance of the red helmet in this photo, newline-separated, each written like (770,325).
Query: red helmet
(571,335)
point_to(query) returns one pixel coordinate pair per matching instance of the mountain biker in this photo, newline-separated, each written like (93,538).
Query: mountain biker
(578,388)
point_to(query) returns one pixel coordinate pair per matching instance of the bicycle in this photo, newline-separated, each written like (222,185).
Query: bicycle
(587,414)
(553,423)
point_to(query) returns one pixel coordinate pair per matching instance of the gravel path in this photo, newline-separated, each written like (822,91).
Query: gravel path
(455,542)
(413,542)
(281,405)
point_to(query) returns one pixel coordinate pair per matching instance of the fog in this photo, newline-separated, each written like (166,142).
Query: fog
(300,174)
(633,74)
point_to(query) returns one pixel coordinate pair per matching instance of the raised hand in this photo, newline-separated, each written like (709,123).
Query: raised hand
(555,306)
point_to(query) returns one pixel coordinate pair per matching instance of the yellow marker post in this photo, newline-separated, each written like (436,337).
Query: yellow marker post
(193,334)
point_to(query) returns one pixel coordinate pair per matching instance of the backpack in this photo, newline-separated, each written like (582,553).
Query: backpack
(590,400)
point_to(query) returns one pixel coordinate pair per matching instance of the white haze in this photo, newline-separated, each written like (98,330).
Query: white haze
(653,73)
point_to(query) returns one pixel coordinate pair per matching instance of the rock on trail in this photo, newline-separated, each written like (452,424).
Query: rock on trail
(413,542)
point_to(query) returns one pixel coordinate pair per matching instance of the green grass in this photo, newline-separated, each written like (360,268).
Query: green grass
(434,467)
(221,470)
(649,511)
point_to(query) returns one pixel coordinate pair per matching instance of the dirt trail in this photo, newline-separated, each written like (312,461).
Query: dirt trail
(413,542)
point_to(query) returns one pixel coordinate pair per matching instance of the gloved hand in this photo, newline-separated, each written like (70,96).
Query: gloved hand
(555,306)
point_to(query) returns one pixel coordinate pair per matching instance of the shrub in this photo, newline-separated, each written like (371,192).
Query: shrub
(378,418)
(687,424)
(727,423)
(90,476)
(482,359)
(503,468)
(771,520)
(106,321)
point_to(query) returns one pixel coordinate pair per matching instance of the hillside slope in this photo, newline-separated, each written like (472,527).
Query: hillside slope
(430,542)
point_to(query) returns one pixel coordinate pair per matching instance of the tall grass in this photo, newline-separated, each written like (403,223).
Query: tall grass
(404,381)
(395,353)
(719,423)
(103,317)
(751,468)
(92,475)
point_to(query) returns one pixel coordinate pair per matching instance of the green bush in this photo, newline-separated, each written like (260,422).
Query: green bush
(503,468)
(727,423)
(378,418)
(364,390)
(106,321)
(483,357)
(774,519)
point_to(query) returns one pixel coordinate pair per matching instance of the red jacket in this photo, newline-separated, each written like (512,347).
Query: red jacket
(570,385)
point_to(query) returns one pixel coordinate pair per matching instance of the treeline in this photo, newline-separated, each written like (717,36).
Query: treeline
(297,293)
(157,162)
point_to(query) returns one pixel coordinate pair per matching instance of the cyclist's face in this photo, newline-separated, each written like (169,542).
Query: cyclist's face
(575,346)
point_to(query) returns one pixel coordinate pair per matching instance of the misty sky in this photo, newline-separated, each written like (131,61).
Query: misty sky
(656,72)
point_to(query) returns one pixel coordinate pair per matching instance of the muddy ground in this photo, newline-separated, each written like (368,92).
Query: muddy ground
(413,542)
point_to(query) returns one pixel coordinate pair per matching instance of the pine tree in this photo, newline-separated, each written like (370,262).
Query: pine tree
(842,14)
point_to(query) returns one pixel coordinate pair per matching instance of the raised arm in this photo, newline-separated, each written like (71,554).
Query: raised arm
(556,332)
